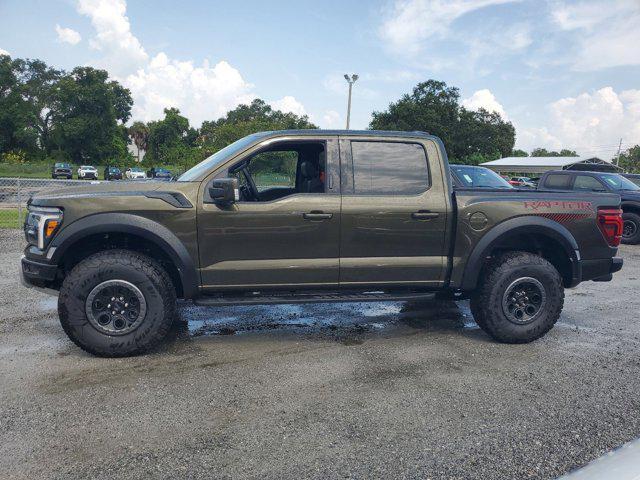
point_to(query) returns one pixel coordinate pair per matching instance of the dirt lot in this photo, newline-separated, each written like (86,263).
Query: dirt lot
(330,391)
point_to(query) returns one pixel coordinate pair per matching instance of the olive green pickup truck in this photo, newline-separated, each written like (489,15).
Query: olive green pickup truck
(312,216)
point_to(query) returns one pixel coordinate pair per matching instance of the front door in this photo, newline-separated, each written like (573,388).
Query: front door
(394,214)
(284,232)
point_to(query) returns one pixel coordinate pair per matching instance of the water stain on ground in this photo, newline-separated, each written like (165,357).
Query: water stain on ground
(346,323)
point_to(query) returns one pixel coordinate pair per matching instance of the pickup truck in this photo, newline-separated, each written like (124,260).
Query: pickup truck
(600,182)
(312,216)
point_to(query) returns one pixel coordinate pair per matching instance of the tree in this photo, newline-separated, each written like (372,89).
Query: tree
(17,107)
(172,132)
(139,133)
(543,152)
(519,153)
(245,120)
(40,88)
(434,107)
(630,160)
(87,112)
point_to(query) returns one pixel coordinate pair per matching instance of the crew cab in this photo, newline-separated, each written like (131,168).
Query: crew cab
(601,182)
(312,216)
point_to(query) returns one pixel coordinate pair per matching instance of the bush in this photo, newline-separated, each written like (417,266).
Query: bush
(14,157)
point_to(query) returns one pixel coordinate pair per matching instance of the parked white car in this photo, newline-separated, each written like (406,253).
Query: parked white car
(135,173)
(87,172)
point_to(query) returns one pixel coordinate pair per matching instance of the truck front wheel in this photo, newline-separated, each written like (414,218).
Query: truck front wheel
(519,298)
(117,303)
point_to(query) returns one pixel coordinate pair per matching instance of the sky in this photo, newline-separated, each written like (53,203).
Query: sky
(565,73)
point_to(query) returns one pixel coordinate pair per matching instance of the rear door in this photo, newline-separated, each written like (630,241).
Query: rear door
(394,212)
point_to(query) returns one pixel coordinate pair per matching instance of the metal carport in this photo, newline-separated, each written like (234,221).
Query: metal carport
(539,165)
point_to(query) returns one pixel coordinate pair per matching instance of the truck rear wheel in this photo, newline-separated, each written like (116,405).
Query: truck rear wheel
(519,298)
(631,228)
(117,303)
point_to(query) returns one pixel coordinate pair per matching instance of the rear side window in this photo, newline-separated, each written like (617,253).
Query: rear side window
(588,183)
(558,181)
(389,168)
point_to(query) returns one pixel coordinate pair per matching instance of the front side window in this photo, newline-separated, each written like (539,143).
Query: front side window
(282,170)
(274,169)
(588,183)
(389,168)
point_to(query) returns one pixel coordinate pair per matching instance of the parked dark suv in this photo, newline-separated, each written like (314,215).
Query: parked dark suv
(577,181)
(61,170)
(112,173)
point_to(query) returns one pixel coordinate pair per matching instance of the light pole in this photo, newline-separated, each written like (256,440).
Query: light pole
(350,80)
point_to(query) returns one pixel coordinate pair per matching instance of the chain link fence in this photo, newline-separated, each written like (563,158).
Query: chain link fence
(14,193)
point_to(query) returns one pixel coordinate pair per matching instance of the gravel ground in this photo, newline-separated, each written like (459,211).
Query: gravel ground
(409,390)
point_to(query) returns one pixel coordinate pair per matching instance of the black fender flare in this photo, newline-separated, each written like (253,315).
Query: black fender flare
(528,224)
(630,205)
(134,225)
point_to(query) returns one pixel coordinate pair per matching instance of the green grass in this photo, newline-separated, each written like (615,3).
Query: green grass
(27,170)
(9,218)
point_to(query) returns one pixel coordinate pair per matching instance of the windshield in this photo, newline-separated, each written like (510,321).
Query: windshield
(618,182)
(214,160)
(136,169)
(479,177)
(62,165)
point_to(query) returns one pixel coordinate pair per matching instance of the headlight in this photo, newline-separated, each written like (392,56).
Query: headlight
(41,225)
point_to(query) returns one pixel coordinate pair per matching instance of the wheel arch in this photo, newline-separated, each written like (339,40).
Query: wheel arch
(628,206)
(111,230)
(534,234)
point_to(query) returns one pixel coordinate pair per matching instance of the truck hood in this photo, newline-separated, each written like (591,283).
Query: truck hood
(94,189)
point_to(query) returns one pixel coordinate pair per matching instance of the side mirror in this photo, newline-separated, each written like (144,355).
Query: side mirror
(224,191)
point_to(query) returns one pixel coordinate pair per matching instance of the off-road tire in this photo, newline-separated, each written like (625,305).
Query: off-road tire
(476,311)
(487,305)
(634,218)
(143,272)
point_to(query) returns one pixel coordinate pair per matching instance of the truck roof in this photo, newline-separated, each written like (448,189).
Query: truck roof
(367,133)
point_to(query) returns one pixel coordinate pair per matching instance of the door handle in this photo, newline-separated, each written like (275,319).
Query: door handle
(316,215)
(424,215)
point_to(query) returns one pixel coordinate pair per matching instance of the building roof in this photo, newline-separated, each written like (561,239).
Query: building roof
(543,164)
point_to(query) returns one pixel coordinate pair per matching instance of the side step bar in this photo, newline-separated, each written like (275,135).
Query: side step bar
(333,297)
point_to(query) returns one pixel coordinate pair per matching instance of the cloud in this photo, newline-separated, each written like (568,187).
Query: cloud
(331,119)
(204,91)
(4,52)
(410,23)
(484,99)
(201,93)
(605,32)
(289,104)
(591,123)
(122,51)
(68,35)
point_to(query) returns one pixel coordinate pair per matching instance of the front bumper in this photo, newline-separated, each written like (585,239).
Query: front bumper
(40,276)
